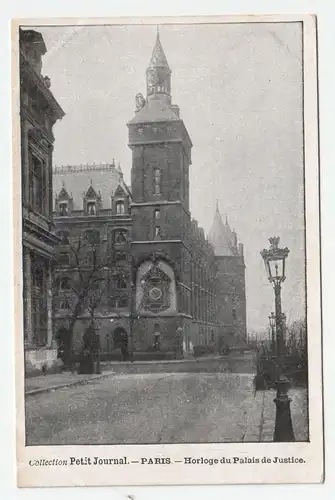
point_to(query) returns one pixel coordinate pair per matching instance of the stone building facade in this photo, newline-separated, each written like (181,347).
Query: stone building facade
(160,280)
(230,283)
(39,111)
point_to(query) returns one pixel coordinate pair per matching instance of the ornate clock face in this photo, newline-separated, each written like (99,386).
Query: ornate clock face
(155,293)
(156,290)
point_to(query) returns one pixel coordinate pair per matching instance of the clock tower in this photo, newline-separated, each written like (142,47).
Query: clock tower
(161,156)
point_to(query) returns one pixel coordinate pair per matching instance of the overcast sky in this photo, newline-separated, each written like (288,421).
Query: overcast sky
(239,88)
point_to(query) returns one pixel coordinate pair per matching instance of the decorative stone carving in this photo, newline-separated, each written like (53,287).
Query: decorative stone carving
(47,81)
(140,102)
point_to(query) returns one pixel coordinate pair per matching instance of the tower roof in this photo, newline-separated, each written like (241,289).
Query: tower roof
(221,237)
(158,58)
(155,110)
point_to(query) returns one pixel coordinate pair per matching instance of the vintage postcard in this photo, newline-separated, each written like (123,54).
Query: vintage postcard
(167,251)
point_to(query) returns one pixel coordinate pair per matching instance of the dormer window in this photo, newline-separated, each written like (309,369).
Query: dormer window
(63,203)
(119,205)
(91,208)
(63,209)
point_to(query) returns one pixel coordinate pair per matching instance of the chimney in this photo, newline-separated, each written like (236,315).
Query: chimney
(240,249)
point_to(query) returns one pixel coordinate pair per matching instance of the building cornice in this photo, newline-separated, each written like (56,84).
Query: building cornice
(35,244)
(96,219)
(37,80)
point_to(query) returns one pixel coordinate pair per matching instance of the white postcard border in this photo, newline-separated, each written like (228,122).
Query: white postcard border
(311,471)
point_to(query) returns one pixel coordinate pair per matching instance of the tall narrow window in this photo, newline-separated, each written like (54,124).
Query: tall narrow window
(157,180)
(36,185)
(157,214)
(91,208)
(119,207)
(63,209)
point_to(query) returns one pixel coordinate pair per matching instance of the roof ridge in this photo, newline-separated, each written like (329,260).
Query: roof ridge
(84,167)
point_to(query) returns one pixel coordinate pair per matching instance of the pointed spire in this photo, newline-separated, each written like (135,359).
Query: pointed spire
(158,58)
(220,235)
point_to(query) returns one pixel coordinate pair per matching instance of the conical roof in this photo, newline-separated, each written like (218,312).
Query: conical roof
(221,237)
(158,58)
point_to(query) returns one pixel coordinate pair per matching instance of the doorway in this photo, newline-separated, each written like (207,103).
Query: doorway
(120,337)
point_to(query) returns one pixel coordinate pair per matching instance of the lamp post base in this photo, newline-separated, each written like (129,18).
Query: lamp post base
(283,427)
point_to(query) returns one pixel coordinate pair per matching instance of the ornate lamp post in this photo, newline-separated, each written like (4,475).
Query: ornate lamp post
(272,321)
(274,260)
(284,328)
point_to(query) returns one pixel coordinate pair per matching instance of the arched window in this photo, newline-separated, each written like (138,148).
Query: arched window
(119,205)
(63,209)
(91,208)
(157,181)
(64,284)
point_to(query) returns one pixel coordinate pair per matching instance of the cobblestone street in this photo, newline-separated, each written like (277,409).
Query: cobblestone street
(153,408)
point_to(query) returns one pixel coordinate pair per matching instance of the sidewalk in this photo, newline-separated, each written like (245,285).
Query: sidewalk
(259,408)
(51,382)
(299,414)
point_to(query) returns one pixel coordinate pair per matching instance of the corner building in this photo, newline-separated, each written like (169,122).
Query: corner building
(39,111)
(173,269)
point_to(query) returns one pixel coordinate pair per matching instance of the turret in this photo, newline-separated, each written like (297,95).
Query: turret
(159,75)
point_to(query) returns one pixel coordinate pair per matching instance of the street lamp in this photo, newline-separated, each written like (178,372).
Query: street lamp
(274,260)
(284,328)
(272,321)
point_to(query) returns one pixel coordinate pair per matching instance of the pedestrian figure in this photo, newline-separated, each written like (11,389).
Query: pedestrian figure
(86,359)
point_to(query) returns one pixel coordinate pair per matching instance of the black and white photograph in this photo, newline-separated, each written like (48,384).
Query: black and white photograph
(164,281)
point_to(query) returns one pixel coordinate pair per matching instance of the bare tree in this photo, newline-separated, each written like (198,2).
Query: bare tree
(297,337)
(81,285)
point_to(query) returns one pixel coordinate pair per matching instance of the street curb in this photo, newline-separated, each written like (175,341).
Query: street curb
(255,419)
(69,384)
